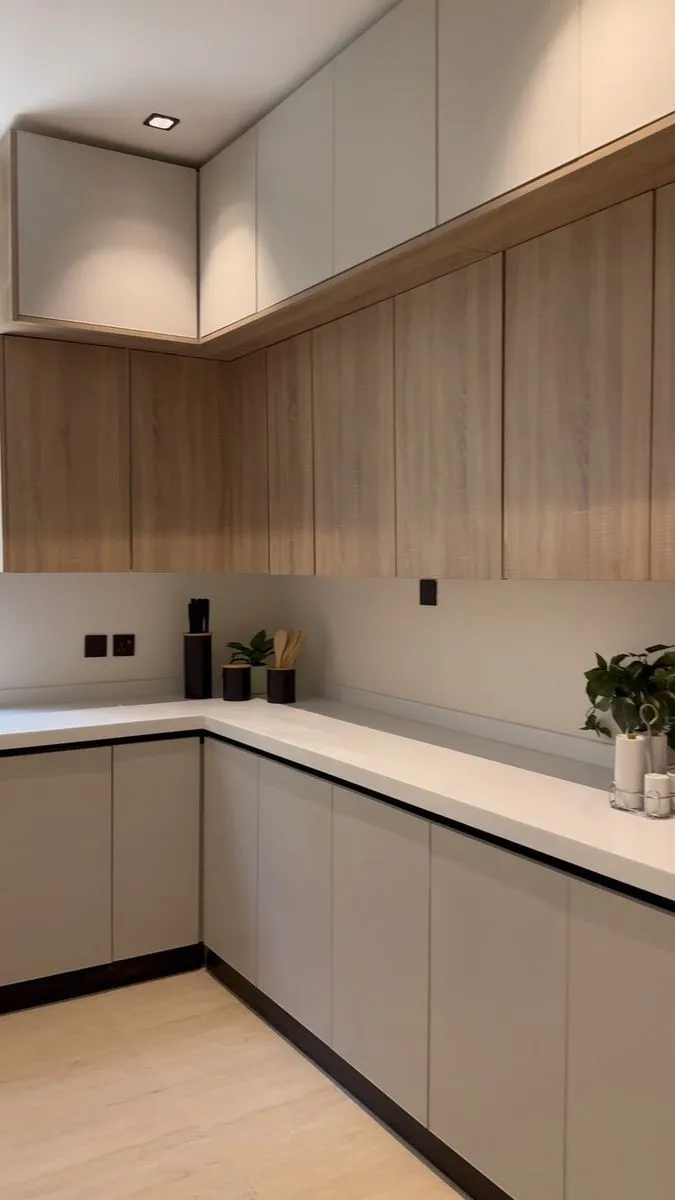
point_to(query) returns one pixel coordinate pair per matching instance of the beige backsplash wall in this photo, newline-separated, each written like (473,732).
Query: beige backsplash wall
(44,618)
(514,651)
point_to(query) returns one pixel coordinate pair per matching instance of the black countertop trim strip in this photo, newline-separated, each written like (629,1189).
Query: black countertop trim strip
(481,835)
(455,1168)
(53,988)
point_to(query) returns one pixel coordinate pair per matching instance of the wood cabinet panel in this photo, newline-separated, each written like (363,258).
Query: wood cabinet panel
(354,444)
(621,1048)
(291,456)
(106,238)
(578,364)
(245,466)
(381,945)
(55,856)
(66,457)
(156,846)
(526,122)
(385,134)
(497,1020)
(230,886)
(294,894)
(449,426)
(295,191)
(663,466)
(179,441)
(227,235)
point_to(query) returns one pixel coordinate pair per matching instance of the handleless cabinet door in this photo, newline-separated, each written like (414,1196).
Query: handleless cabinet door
(385,134)
(508,96)
(156,846)
(295,192)
(498,1011)
(105,238)
(291,456)
(449,426)
(663,460)
(231,856)
(227,235)
(354,502)
(620,1096)
(577,398)
(381,946)
(66,457)
(294,894)
(244,466)
(55,855)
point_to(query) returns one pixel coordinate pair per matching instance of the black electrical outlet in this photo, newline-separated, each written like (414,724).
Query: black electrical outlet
(429,591)
(124,645)
(95,645)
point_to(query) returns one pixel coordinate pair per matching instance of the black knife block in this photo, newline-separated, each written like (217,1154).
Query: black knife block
(197,653)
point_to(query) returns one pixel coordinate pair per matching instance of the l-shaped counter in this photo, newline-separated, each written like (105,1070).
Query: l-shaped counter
(468,937)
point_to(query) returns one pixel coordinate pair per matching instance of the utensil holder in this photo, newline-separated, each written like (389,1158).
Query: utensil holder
(197,653)
(281,685)
(236,682)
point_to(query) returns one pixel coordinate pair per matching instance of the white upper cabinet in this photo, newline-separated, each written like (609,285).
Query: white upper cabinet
(385,134)
(508,96)
(105,238)
(627,66)
(227,235)
(295,192)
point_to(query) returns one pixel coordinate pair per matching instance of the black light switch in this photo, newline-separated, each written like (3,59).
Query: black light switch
(95,645)
(429,591)
(124,645)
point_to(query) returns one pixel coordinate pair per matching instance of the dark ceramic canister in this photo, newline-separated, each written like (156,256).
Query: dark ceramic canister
(237,682)
(281,685)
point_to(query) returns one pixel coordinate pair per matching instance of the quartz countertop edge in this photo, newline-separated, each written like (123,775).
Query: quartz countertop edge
(567,821)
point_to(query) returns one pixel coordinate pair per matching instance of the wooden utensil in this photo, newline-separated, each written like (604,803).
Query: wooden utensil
(293,649)
(290,643)
(280,644)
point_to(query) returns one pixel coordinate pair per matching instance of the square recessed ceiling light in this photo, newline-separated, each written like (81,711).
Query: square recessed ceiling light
(161,121)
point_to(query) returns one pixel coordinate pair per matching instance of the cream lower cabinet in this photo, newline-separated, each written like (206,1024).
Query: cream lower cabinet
(294,894)
(55,863)
(230,882)
(156,846)
(380,989)
(497,1023)
(620,1094)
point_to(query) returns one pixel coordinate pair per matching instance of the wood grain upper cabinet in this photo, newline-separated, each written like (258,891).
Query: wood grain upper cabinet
(291,456)
(627,77)
(578,367)
(227,235)
(497,1014)
(526,122)
(385,134)
(449,425)
(105,238)
(295,192)
(245,466)
(65,457)
(621,1051)
(55,856)
(354,444)
(663,466)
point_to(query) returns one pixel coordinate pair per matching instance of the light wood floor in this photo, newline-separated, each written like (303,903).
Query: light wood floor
(175,1090)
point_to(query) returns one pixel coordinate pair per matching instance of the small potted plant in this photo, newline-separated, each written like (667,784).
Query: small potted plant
(256,654)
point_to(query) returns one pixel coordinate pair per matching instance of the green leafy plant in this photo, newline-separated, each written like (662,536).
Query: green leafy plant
(256,653)
(636,690)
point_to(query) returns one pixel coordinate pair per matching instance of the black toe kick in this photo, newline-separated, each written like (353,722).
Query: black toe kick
(455,1168)
(34,992)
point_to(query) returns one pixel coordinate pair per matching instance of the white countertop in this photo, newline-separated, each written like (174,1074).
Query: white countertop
(553,806)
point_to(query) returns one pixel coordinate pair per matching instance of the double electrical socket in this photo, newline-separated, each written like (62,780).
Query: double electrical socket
(96,645)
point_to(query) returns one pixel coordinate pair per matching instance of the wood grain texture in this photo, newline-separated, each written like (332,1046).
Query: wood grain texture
(291,456)
(578,399)
(66,457)
(663,467)
(354,444)
(6,228)
(179,436)
(448,340)
(245,466)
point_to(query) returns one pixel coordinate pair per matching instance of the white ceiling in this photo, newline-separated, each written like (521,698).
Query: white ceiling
(94,69)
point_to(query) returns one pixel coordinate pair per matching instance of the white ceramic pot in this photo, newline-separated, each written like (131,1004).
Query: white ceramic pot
(258,681)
